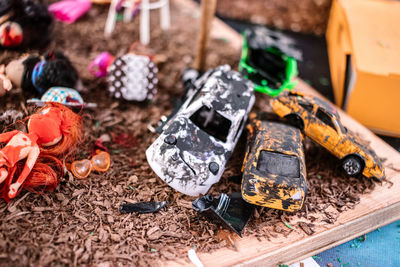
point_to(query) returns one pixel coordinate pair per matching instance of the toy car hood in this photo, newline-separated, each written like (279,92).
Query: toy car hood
(185,158)
(227,92)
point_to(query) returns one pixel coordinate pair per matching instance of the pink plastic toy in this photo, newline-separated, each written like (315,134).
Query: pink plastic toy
(98,67)
(69,11)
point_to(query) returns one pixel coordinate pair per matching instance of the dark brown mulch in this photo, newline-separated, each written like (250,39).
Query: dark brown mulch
(307,16)
(79,223)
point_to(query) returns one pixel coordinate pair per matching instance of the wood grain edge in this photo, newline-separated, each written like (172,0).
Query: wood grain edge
(320,242)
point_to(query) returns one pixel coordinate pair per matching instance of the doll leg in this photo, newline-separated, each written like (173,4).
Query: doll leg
(3,174)
(5,137)
(30,162)
(3,171)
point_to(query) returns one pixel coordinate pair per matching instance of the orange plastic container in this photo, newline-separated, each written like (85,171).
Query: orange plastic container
(363,39)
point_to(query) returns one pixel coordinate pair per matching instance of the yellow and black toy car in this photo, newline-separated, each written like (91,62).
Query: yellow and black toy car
(274,170)
(320,121)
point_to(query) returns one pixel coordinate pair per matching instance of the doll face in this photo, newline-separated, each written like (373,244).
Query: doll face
(10,34)
(47,126)
(14,71)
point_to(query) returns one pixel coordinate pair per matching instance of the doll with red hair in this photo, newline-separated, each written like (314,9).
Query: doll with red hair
(31,160)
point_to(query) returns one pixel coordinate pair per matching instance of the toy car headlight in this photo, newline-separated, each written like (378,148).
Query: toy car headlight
(213,167)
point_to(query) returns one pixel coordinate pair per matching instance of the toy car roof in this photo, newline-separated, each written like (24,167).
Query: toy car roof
(278,131)
(318,101)
(226,91)
(262,38)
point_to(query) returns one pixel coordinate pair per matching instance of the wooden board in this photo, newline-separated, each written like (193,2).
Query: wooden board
(375,210)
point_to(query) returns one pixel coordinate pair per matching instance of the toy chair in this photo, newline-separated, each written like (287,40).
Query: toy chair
(145,7)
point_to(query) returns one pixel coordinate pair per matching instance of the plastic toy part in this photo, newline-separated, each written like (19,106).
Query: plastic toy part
(195,144)
(133,78)
(69,11)
(100,162)
(269,60)
(274,171)
(228,210)
(66,96)
(142,207)
(98,67)
(320,121)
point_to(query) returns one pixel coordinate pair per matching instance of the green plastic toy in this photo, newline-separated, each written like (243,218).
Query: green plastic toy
(269,60)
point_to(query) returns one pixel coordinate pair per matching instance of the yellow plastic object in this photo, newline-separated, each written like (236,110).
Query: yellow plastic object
(320,121)
(363,40)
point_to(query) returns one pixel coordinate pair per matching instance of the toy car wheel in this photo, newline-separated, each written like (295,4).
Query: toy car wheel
(295,120)
(352,165)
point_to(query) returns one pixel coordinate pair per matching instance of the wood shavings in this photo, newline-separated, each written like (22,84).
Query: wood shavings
(80,222)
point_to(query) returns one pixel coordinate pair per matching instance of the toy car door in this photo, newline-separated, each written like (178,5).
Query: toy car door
(322,129)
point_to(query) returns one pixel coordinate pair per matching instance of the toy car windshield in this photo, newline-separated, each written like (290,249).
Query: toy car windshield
(279,164)
(212,122)
(269,61)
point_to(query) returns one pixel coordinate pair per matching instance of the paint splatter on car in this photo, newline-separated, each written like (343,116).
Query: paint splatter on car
(195,144)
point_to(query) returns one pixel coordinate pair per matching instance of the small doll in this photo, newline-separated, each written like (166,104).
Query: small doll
(35,74)
(53,132)
(131,77)
(24,23)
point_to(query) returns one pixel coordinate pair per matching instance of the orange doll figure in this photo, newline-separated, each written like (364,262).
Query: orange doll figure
(53,131)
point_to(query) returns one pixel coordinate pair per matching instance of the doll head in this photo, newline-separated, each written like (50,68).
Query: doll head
(57,127)
(35,74)
(55,70)
(19,72)
(14,71)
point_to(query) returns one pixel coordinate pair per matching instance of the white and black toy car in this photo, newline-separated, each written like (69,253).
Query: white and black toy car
(195,144)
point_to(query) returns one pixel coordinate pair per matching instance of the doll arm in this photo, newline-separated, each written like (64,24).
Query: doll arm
(30,162)
(5,137)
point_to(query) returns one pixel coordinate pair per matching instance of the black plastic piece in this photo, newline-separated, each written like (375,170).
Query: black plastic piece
(229,210)
(142,207)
